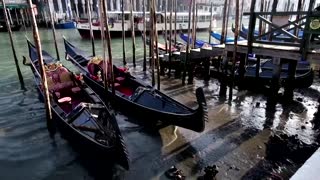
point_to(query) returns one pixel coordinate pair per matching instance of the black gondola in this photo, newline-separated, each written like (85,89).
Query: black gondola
(135,97)
(80,115)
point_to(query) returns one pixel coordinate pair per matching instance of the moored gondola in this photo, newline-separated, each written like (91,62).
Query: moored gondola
(79,113)
(135,97)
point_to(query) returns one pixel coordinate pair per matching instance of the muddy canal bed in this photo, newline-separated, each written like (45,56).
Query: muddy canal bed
(245,138)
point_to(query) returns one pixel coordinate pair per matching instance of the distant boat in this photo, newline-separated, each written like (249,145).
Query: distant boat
(115,23)
(65,25)
(198,43)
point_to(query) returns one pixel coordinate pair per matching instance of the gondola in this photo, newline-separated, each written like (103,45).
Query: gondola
(79,113)
(135,97)
(218,36)
(198,43)
(303,78)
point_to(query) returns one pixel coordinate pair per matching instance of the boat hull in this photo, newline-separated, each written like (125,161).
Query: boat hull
(66,25)
(189,118)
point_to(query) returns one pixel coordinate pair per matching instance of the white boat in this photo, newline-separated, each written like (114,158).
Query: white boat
(115,23)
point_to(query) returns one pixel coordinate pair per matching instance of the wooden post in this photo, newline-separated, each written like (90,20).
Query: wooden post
(170,37)
(50,122)
(193,41)
(108,44)
(235,50)
(260,21)
(90,26)
(275,77)
(165,27)
(175,22)
(307,36)
(288,91)
(196,24)
(210,25)
(274,9)
(241,14)
(104,44)
(23,21)
(188,44)
(151,33)
(123,35)
(252,24)
(145,37)
(133,34)
(227,21)
(17,18)
(12,47)
(53,31)
(223,32)
(156,43)
(296,29)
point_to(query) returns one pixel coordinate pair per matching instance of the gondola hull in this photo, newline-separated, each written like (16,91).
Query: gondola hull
(82,143)
(147,106)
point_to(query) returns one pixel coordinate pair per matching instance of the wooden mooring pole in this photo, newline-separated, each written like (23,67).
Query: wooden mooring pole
(50,122)
(175,22)
(151,34)
(53,31)
(223,32)
(133,34)
(193,41)
(210,25)
(145,37)
(188,45)
(123,35)
(156,43)
(165,27)
(104,44)
(236,33)
(170,37)
(108,43)
(90,26)
(23,20)
(12,47)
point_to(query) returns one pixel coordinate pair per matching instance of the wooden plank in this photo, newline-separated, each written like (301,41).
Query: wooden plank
(279,13)
(273,51)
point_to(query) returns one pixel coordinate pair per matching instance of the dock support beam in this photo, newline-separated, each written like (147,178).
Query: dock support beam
(289,87)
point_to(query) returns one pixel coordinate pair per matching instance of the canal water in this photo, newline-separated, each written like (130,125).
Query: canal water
(235,139)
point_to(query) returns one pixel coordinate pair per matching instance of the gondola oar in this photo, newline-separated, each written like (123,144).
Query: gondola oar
(133,34)
(91,31)
(12,46)
(108,39)
(145,37)
(123,35)
(53,31)
(50,123)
